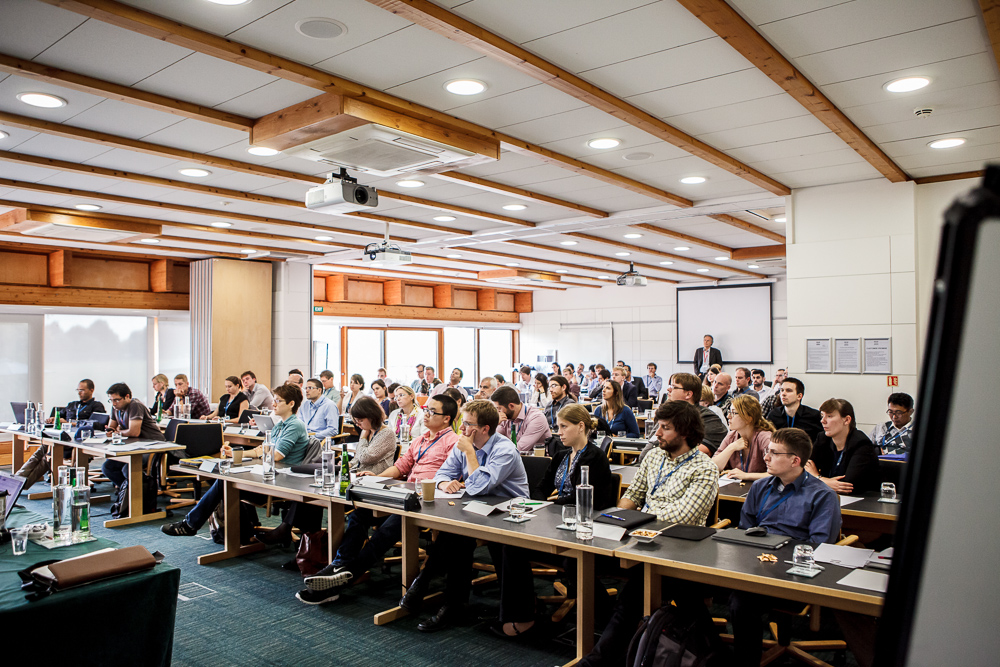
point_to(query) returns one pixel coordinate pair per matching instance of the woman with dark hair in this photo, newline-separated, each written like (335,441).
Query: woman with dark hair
(612,410)
(381,394)
(347,400)
(376,449)
(540,394)
(456,423)
(843,457)
(231,404)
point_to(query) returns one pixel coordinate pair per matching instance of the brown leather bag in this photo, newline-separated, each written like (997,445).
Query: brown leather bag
(312,554)
(92,567)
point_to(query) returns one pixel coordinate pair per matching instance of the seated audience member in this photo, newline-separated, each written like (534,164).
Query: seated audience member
(407,418)
(596,381)
(391,395)
(258,395)
(524,425)
(630,395)
(572,381)
(636,382)
(792,412)
(743,383)
(678,483)
(232,403)
(555,369)
(487,386)
(580,372)
(415,385)
(163,394)
(329,387)
(290,443)
(459,398)
(131,419)
(790,502)
(381,394)
(773,399)
(720,391)
(758,381)
(540,392)
(355,389)
(741,454)
(38,463)
(614,411)
(429,382)
(502,381)
(454,382)
(490,465)
(197,400)
(708,401)
(421,460)
(525,381)
(893,436)
(561,397)
(653,382)
(843,457)
(296,378)
(713,372)
(377,446)
(688,388)
(383,375)
(318,413)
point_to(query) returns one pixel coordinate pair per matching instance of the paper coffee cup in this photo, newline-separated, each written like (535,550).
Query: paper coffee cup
(539,451)
(237,456)
(427,488)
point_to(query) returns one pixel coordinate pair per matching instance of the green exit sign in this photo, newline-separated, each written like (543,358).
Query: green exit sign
(317,309)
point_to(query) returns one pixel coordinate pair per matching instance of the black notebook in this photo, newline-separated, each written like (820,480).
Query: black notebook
(627,519)
(739,536)
(683,532)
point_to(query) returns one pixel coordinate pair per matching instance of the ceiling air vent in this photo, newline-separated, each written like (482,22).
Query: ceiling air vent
(518,277)
(55,230)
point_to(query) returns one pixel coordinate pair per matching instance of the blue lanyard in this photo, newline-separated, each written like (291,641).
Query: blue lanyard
(763,514)
(840,458)
(569,464)
(791,421)
(899,434)
(420,454)
(660,472)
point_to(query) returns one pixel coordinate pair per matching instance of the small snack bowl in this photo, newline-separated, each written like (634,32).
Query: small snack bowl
(37,530)
(644,536)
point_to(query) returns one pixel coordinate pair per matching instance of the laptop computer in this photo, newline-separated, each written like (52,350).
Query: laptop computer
(263,423)
(18,409)
(247,414)
(100,419)
(13,485)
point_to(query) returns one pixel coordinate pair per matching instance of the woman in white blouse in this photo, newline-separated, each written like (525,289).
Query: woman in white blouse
(408,418)
(540,395)
(376,449)
(349,397)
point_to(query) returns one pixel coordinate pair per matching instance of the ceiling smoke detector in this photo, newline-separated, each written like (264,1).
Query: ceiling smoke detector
(922,112)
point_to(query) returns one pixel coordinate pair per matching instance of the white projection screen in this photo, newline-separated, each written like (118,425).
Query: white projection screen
(737,317)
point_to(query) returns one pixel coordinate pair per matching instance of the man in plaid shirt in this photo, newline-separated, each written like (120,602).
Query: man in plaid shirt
(199,404)
(677,483)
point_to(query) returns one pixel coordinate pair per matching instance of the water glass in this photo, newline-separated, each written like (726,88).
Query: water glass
(116,438)
(268,462)
(518,508)
(318,477)
(19,540)
(600,436)
(803,556)
(888,491)
(224,466)
(650,429)
(569,516)
(622,434)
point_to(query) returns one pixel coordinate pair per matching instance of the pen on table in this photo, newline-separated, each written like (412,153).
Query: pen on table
(531,503)
(612,516)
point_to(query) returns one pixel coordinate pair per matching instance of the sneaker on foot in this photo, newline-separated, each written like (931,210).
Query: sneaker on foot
(318,597)
(178,528)
(322,582)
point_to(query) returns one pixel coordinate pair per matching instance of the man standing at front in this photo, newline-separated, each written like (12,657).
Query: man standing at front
(524,425)
(705,357)
(199,404)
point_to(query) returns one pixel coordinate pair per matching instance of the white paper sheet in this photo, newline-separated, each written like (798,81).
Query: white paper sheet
(845,556)
(444,494)
(478,507)
(288,471)
(96,440)
(232,430)
(372,480)
(122,449)
(608,532)
(847,500)
(872,581)
(241,469)
(726,481)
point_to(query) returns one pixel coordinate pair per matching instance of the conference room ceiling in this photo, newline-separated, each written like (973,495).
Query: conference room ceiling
(658,57)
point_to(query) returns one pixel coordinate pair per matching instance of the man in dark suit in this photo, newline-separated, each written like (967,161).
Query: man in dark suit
(705,357)
(640,386)
(792,413)
(629,391)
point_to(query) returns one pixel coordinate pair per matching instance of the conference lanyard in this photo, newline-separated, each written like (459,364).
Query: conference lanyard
(764,513)
(660,472)
(840,458)
(420,454)
(790,420)
(899,434)
(569,464)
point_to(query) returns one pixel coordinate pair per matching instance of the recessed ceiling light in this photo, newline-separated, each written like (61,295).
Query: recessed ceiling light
(3,135)
(780,218)
(567,243)
(636,157)
(665,263)
(681,248)
(434,271)
(247,251)
(721,259)
(444,218)
(195,173)
(512,264)
(693,180)
(604,277)
(262,151)
(622,254)
(752,266)
(222,225)
(43,100)
(320,28)
(88,207)
(702,270)
(453,256)
(410,183)
(150,241)
(561,271)
(514,207)
(465,87)
(604,143)
(324,238)
(907,84)
(947,143)
(633,236)
(229,2)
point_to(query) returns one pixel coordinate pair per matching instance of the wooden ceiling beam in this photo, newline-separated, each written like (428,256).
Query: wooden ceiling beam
(601,258)
(120,244)
(660,253)
(443,22)
(112,91)
(758,252)
(949,177)
(230,244)
(362,272)
(744,38)
(687,238)
(991,18)
(748,227)
(500,188)
(37,249)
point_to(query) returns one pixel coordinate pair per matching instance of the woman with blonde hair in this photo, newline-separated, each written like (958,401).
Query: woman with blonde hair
(163,394)
(407,418)
(612,409)
(741,454)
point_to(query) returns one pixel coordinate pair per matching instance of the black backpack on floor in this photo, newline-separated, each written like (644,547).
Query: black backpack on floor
(671,638)
(149,491)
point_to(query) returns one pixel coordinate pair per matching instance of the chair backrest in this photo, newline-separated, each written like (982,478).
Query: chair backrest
(535,467)
(891,471)
(605,445)
(314,451)
(199,439)
(645,404)
(616,484)
(170,433)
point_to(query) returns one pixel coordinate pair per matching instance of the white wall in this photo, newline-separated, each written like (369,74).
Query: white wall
(291,324)
(644,323)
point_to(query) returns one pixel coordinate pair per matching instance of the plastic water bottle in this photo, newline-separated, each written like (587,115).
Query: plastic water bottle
(584,506)
(62,507)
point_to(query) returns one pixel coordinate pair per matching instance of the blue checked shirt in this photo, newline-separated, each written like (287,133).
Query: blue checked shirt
(500,472)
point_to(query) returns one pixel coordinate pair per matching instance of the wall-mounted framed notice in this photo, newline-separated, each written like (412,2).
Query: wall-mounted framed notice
(878,356)
(846,355)
(818,357)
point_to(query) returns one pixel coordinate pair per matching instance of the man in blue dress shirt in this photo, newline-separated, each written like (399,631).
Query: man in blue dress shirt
(484,463)
(319,413)
(790,502)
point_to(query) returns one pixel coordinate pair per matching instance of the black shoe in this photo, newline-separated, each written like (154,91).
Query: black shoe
(413,599)
(497,629)
(444,618)
(179,528)
(322,582)
(319,597)
(281,535)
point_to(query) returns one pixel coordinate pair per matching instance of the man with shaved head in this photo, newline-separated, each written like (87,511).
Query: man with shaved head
(720,391)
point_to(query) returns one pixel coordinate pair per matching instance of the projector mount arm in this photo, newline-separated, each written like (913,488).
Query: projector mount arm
(343,177)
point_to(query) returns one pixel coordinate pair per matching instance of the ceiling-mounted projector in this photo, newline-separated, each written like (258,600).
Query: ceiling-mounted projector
(631,278)
(385,254)
(341,194)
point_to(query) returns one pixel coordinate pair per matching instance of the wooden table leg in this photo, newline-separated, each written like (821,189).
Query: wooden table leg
(17,447)
(334,529)
(56,455)
(135,508)
(585,600)
(83,459)
(653,590)
(411,567)
(232,547)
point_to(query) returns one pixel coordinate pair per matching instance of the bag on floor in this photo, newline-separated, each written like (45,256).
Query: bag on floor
(120,510)
(311,556)
(671,638)
(248,521)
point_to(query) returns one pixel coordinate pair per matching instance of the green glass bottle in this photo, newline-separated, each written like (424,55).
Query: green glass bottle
(345,472)
(58,420)
(513,433)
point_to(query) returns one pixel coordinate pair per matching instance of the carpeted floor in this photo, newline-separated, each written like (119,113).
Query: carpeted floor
(243,611)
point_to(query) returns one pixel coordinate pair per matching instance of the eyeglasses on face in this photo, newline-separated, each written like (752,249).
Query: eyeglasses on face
(430,411)
(896,413)
(771,452)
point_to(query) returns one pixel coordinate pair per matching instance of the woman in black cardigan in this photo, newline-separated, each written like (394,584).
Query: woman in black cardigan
(575,425)
(843,457)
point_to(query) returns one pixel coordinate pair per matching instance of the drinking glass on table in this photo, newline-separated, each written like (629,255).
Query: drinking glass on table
(622,434)
(518,508)
(803,556)
(116,437)
(19,540)
(318,478)
(888,491)
(600,436)
(224,466)
(569,516)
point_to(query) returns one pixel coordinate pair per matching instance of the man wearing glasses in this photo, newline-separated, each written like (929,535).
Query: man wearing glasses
(790,502)
(131,419)
(893,436)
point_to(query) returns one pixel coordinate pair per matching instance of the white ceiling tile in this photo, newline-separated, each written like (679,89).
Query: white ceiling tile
(506,17)
(739,86)
(15,137)
(585,120)
(951,40)
(216,19)
(78,181)
(41,198)
(981,153)
(108,52)
(137,190)
(741,114)
(58,148)
(936,125)
(240,181)
(204,80)
(954,168)
(563,188)
(844,173)
(973,137)
(195,136)
(429,90)
(509,161)
(25,172)
(943,102)
(808,161)
(517,107)
(760,12)
(634,141)
(269,98)
(764,133)
(138,163)
(288,190)
(76,102)
(29,27)
(123,120)
(803,146)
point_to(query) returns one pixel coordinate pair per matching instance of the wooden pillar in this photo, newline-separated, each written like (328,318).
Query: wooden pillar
(161,275)
(61,268)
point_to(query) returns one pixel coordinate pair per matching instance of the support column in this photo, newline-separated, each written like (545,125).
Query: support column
(292,300)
